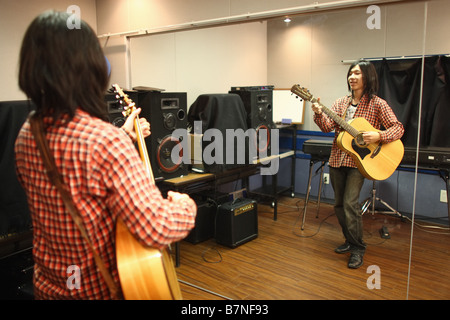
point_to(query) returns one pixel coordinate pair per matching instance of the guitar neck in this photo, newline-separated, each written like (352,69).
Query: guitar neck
(336,118)
(137,128)
(143,148)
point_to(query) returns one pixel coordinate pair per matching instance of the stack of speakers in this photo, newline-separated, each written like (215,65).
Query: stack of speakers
(165,111)
(258,102)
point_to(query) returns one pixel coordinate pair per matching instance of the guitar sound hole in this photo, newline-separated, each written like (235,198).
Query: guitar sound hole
(360,140)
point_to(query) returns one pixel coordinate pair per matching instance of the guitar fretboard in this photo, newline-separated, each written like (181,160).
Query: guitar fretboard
(340,121)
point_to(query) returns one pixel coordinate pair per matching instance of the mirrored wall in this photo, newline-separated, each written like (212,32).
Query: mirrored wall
(406,41)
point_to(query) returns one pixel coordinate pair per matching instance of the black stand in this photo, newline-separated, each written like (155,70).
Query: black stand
(311,165)
(370,202)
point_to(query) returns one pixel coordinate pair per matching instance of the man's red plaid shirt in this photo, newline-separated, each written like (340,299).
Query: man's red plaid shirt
(108,181)
(376,111)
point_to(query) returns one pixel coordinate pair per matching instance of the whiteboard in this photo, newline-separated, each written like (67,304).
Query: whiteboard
(286,106)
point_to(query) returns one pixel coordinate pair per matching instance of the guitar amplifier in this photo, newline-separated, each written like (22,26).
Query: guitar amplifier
(236,222)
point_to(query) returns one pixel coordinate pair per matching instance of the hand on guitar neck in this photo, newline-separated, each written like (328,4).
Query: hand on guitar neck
(128,126)
(317,107)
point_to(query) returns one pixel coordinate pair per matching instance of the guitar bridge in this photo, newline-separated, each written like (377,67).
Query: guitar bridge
(376,151)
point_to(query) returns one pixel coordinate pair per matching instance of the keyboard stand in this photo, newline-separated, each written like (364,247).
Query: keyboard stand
(308,189)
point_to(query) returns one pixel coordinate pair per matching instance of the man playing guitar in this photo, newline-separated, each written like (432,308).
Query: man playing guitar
(345,177)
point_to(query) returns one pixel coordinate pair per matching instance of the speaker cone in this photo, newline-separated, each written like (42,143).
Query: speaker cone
(263,145)
(169,145)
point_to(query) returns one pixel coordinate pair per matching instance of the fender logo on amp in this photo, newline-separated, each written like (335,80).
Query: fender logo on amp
(244,209)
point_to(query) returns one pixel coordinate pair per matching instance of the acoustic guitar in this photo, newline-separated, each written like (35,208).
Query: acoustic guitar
(375,161)
(145,273)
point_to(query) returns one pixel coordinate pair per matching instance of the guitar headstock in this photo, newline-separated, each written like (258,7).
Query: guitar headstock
(302,93)
(123,98)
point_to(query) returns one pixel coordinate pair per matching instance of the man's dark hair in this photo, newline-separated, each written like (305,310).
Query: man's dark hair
(369,75)
(63,69)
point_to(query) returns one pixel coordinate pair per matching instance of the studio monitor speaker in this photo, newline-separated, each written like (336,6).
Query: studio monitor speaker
(166,111)
(258,102)
(115,110)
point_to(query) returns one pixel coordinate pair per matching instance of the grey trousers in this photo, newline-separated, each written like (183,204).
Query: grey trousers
(347,183)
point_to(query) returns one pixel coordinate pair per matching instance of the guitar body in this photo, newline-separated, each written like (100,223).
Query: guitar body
(145,273)
(376,161)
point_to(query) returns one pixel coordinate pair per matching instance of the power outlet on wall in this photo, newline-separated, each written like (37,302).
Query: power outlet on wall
(326,178)
(444,196)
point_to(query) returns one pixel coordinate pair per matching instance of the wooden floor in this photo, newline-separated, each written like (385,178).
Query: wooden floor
(286,263)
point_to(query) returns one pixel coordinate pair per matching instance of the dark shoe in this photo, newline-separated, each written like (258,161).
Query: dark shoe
(355,261)
(343,248)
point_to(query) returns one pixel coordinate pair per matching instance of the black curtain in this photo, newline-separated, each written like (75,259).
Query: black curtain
(14,213)
(400,82)
(219,111)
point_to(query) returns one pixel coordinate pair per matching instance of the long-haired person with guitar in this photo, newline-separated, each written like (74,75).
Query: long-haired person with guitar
(84,179)
(365,153)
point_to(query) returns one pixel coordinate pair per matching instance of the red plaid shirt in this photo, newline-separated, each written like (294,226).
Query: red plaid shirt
(376,111)
(108,180)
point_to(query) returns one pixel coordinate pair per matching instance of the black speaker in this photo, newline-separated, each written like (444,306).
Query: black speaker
(258,102)
(204,223)
(115,110)
(166,111)
(236,222)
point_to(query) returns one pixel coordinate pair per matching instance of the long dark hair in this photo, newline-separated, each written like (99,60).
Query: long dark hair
(62,69)
(370,77)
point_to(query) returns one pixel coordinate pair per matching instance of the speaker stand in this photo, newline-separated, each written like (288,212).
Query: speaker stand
(370,202)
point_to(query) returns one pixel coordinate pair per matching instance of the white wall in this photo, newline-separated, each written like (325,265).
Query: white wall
(15,17)
(201,61)
(111,16)
(310,49)
(116,16)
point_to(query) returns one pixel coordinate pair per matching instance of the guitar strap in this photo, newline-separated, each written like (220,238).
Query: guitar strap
(37,128)
(344,115)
